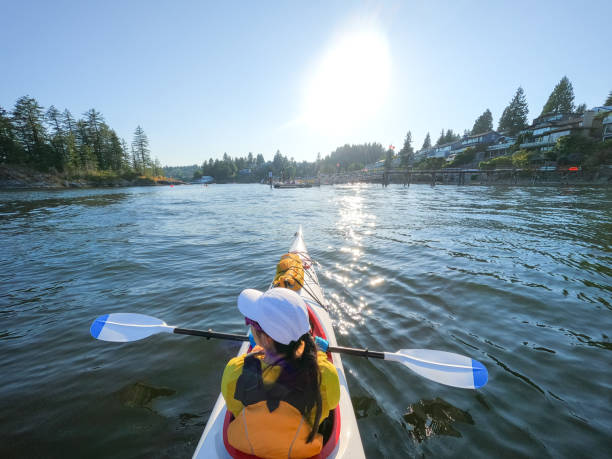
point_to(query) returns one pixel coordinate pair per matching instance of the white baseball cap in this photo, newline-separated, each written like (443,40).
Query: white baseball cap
(280,312)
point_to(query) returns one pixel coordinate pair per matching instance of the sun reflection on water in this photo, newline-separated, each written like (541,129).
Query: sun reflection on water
(354,223)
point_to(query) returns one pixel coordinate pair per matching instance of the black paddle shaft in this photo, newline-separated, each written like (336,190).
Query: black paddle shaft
(233,337)
(211,334)
(359,352)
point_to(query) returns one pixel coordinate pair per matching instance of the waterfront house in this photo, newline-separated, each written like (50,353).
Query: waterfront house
(601,118)
(500,147)
(376,166)
(477,141)
(439,151)
(547,129)
(480,139)
(607,127)
(423,153)
(380,165)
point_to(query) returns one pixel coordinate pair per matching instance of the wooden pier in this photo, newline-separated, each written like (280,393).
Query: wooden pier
(453,176)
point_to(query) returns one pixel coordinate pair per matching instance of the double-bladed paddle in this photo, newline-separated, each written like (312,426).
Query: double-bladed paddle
(443,367)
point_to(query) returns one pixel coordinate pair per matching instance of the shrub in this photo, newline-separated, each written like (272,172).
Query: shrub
(601,154)
(501,162)
(430,163)
(521,159)
(463,158)
(573,149)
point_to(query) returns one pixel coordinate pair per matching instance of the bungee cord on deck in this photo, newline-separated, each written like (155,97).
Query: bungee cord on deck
(306,258)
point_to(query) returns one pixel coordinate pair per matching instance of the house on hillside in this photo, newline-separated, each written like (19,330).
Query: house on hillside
(607,127)
(439,151)
(601,118)
(547,129)
(541,136)
(379,165)
(500,147)
(451,149)
(479,141)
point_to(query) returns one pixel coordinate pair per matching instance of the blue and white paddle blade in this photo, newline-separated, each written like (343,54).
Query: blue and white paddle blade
(443,367)
(123,327)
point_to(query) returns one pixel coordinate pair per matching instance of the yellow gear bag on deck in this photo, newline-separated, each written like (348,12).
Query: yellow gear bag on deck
(289,272)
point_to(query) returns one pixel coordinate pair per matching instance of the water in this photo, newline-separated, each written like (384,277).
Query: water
(518,278)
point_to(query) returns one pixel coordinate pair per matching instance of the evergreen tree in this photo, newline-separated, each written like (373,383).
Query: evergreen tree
(10,151)
(406,153)
(126,161)
(608,101)
(388,159)
(484,123)
(73,157)
(441,139)
(68,123)
(561,100)
(58,140)
(581,108)
(367,153)
(514,118)
(157,167)
(31,134)
(28,124)
(426,142)
(87,158)
(94,125)
(450,136)
(140,150)
(53,117)
(278,164)
(116,156)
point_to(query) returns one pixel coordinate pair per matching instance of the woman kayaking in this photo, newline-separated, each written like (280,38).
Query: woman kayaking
(281,392)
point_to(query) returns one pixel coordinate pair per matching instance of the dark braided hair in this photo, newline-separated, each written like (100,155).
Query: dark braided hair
(302,374)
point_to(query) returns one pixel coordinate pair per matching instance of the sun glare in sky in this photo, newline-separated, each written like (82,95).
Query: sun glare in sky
(349,83)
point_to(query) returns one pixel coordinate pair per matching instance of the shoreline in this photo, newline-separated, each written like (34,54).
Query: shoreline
(23,178)
(15,178)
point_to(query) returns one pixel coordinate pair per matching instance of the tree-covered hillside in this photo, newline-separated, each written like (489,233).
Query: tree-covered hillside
(54,140)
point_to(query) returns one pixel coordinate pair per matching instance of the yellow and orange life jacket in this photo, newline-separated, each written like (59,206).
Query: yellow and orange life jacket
(272,423)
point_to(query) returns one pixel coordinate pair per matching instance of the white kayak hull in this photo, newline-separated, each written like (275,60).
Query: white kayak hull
(349,443)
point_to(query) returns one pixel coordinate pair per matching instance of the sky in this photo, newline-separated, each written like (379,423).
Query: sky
(205,78)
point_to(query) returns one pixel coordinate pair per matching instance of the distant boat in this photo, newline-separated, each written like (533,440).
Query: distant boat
(205,180)
(292,185)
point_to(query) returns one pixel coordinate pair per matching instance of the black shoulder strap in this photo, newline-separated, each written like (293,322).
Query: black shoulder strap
(250,388)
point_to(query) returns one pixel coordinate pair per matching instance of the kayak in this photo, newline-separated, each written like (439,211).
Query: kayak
(341,435)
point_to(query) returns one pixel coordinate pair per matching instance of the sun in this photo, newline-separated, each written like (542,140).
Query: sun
(350,82)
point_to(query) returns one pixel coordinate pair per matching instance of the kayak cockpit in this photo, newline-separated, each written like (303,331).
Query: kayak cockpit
(329,428)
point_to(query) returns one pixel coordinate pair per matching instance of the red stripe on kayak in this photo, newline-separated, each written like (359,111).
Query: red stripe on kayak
(333,439)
